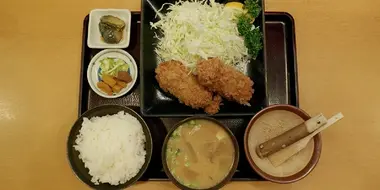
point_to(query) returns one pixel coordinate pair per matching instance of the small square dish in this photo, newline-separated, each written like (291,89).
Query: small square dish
(119,39)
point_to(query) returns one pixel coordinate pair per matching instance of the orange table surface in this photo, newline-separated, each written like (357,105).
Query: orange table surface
(338,47)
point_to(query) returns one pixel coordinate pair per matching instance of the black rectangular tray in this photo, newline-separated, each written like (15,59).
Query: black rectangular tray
(281,88)
(154,101)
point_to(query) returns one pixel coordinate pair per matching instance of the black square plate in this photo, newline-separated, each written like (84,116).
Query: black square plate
(156,102)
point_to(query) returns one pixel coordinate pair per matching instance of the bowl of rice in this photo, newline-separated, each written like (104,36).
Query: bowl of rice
(109,147)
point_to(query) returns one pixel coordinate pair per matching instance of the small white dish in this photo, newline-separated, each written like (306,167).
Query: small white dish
(94,69)
(94,39)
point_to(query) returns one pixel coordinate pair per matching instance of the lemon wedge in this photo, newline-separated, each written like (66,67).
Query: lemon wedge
(236,5)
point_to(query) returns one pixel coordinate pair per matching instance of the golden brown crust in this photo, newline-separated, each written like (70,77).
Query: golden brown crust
(175,78)
(213,108)
(225,80)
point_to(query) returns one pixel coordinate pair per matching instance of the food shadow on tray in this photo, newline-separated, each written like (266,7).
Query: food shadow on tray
(281,85)
(155,101)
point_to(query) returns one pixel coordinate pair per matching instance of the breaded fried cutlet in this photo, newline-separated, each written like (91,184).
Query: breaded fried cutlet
(224,80)
(213,108)
(175,78)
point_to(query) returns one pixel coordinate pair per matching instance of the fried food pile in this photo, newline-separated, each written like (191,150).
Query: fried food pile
(213,81)
(175,78)
(225,80)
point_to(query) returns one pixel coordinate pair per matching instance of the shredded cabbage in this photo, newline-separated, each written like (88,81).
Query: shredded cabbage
(195,30)
(111,66)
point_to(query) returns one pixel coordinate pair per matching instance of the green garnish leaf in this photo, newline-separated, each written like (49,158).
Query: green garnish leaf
(193,185)
(252,35)
(253,8)
(177,152)
(176,133)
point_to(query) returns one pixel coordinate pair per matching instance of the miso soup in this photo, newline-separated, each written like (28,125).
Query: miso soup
(200,154)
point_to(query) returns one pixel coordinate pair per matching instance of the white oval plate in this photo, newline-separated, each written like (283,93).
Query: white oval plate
(94,69)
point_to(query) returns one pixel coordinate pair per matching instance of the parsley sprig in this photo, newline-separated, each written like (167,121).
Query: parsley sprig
(252,35)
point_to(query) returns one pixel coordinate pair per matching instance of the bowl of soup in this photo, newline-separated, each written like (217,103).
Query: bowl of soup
(200,153)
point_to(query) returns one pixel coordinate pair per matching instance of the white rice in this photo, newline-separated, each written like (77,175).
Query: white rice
(111,147)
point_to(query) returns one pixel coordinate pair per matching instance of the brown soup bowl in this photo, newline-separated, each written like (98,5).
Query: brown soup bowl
(222,182)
